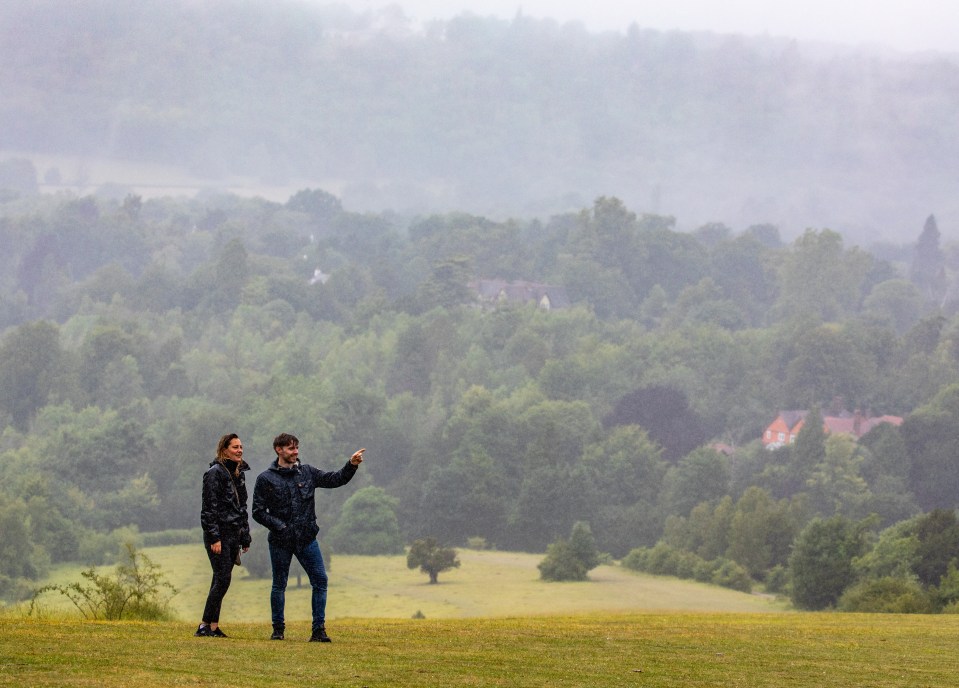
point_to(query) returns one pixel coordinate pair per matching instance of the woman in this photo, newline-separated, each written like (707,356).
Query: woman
(226,528)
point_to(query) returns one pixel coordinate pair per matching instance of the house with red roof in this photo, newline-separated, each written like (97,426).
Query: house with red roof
(787,424)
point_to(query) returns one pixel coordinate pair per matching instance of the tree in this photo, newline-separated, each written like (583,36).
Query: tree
(931,432)
(368,524)
(701,476)
(938,549)
(570,560)
(665,414)
(761,532)
(820,279)
(431,558)
(927,270)
(464,499)
(809,449)
(30,361)
(320,205)
(821,565)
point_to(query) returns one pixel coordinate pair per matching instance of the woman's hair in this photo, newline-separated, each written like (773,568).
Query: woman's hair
(221,447)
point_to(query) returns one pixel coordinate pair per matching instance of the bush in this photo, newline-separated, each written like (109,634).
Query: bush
(729,574)
(134,591)
(886,596)
(777,579)
(562,564)
(666,560)
(477,542)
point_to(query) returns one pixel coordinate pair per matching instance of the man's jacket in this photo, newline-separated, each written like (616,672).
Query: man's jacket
(283,500)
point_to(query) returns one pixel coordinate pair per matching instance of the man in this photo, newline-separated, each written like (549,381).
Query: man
(283,502)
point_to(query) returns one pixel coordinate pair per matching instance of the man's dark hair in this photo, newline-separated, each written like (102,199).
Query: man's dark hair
(285,439)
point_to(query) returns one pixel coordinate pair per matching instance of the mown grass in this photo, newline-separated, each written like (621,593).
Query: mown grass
(487,584)
(655,649)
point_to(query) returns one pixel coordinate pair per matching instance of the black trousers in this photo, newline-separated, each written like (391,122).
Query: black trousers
(222,564)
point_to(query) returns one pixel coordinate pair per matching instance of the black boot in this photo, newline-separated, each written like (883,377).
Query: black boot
(277,633)
(320,636)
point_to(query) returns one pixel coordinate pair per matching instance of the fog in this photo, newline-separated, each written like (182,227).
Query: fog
(815,115)
(904,25)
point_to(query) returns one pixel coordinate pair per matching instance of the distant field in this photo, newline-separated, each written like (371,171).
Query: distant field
(653,650)
(487,584)
(85,175)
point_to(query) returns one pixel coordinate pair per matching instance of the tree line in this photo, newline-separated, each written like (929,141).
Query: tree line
(136,332)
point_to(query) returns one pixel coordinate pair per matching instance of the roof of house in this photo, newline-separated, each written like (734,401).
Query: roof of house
(844,422)
(519,291)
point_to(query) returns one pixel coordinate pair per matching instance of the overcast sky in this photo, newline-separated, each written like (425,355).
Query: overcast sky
(908,25)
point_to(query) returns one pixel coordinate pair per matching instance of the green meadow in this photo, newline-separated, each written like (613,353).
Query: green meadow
(487,584)
(655,649)
(489,623)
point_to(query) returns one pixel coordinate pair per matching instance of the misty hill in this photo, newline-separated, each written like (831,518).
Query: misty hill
(524,117)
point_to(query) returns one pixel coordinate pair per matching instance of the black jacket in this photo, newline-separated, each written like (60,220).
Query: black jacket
(283,500)
(223,512)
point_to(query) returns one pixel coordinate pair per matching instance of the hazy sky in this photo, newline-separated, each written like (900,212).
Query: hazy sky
(909,25)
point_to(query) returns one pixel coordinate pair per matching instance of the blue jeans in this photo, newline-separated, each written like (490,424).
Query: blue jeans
(311,559)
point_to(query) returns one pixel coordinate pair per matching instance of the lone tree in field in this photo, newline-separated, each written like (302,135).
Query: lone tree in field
(570,560)
(431,558)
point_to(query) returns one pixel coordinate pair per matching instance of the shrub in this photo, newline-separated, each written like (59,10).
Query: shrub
(477,542)
(562,564)
(134,591)
(777,579)
(729,574)
(886,595)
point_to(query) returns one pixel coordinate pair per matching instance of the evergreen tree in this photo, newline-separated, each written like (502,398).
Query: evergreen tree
(927,270)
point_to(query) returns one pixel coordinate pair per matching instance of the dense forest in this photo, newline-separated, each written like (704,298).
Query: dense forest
(136,330)
(520,118)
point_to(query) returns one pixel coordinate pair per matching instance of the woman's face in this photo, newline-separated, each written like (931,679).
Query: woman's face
(234,450)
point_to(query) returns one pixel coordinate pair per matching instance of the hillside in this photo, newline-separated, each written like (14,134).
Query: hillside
(518,118)
(383,587)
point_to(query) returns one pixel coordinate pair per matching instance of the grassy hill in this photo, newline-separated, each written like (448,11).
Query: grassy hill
(487,584)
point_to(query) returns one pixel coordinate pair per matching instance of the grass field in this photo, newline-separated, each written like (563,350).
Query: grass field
(487,584)
(650,650)
(489,623)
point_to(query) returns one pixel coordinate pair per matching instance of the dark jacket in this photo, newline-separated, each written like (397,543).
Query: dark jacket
(223,511)
(283,500)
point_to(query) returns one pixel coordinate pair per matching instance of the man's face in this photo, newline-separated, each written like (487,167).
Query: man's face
(288,455)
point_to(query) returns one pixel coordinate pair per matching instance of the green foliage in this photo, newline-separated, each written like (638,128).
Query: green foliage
(938,545)
(665,560)
(572,559)
(368,524)
(431,558)
(562,564)
(821,564)
(478,421)
(137,589)
(887,596)
(30,368)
